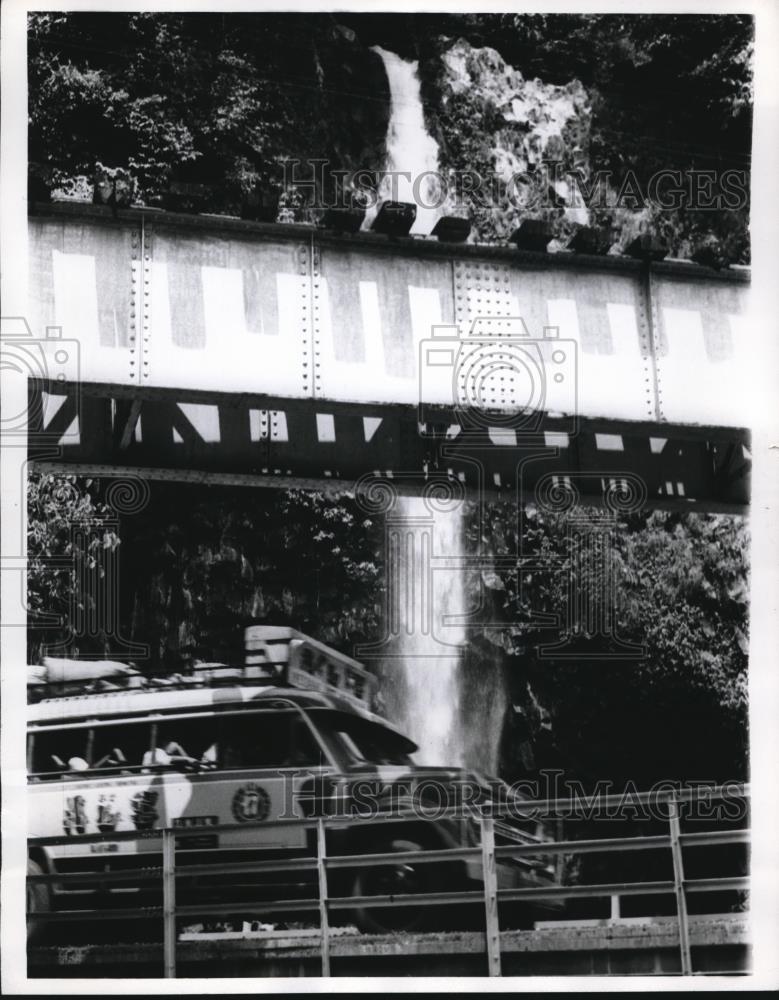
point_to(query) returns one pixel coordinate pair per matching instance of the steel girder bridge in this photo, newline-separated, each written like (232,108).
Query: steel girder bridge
(216,350)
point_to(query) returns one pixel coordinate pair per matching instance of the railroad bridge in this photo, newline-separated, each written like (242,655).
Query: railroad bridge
(217,350)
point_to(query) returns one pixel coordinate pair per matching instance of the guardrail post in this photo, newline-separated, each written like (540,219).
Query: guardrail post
(324,923)
(490,895)
(681,898)
(169,901)
(616,913)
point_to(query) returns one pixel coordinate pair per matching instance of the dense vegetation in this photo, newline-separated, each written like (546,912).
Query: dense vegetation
(215,99)
(223,99)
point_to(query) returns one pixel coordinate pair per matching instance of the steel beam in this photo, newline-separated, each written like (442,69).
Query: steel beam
(284,443)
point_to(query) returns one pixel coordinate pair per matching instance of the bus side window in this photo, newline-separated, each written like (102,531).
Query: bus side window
(120,747)
(225,752)
(53,748)
(192,737)
(306,752)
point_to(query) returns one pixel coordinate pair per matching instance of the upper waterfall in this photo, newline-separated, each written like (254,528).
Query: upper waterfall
(410,149)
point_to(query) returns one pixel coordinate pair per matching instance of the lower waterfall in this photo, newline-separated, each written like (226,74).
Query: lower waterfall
(428,648)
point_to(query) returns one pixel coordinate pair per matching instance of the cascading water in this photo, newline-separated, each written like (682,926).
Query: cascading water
(410,149)
(429,648)
(448,696)
(428,697)
(452,708)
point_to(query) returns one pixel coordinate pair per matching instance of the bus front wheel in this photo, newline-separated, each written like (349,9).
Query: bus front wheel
(399,878)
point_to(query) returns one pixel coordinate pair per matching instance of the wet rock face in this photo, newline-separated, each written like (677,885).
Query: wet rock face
(534,114)
(355,94)
(539,150)
(220,103)
(488,120)
(493,122)
(339,118)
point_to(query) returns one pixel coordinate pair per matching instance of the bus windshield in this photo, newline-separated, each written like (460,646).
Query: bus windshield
(357,741)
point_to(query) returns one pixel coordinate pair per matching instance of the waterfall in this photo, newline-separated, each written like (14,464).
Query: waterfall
(428,648)
(447,708)
(448,696)
(409,147)
(428,693)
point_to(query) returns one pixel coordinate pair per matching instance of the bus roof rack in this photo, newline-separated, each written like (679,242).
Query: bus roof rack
(287,656)
(277,656)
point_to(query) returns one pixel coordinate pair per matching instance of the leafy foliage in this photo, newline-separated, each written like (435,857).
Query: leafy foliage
(223,100)
(666,92)
(195,569)
(68,531)
(197,573)
(215,100)
(681,592)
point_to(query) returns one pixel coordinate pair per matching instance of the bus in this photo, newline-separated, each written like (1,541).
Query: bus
(290,733)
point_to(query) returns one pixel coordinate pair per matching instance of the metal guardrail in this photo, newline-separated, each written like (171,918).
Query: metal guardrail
(489,896)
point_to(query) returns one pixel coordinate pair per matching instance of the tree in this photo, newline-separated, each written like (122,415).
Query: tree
(197,570)
(682,593)
(215,100)
(664,92)
(69,532)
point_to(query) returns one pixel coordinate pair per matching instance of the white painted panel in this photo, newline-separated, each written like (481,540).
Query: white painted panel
(697,389)
(204,419)
(223,311)
(232,358)
(371,325)
(76,312)
(325,427)
(379,309)
(367,380)
(51,406)
(609,384)
(425,306)
(560,358)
